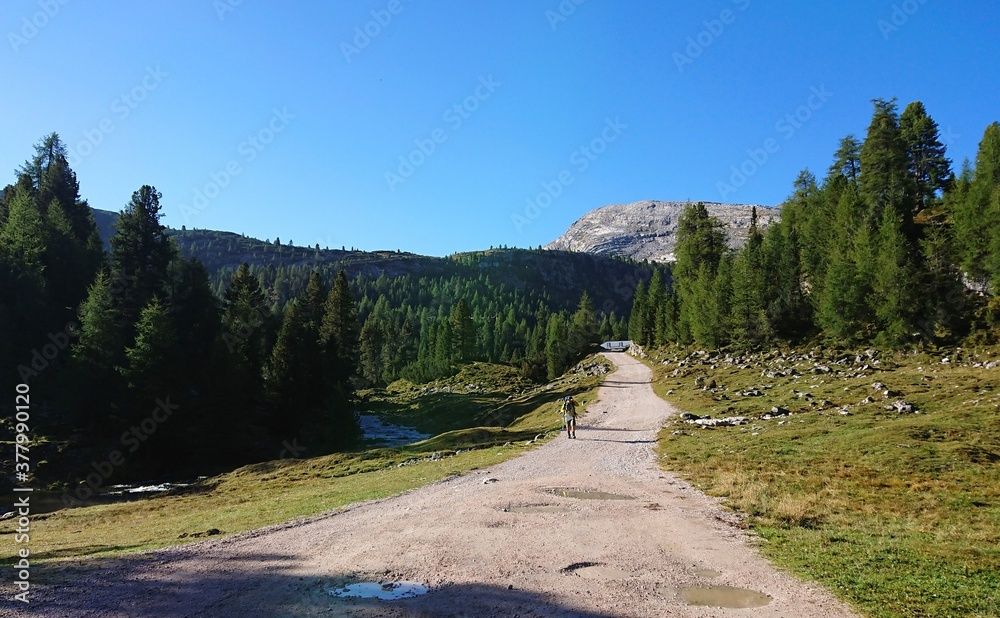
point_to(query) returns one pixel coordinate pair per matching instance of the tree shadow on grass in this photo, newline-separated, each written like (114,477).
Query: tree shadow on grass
(171,585)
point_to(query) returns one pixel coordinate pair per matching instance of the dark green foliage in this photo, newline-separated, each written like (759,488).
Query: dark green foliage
(338,335)
(583,328)
(222,362)
(928,166)
(890,250)
(885,180)
(557,348)
(141,253)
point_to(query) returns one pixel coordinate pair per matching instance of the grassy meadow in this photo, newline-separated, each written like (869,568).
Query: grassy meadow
(498,417)
(898,513)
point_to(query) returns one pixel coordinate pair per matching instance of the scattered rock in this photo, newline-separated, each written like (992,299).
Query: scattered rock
(903,407)
(730,421)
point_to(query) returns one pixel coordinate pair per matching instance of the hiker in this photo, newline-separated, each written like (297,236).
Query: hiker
(569,416)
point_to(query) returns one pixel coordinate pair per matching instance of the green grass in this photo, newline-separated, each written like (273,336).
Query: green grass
(899,514)
(477,430)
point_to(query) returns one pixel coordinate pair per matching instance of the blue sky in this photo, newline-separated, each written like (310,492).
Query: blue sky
(446,126)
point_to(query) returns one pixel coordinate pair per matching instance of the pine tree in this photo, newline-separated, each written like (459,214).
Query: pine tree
(463,330)
(583,328)
(141,253)
(839,307)
(195,320)
(312,303)
(975,222)
(710,294)
(806,211)
(655,297)
(928,166)
(150,362)
(700,246)
(284,378)
(636,321)
(244,324)
(896,295)
(885,181)
(556,346)
(748,319)
(339,332)
(22,241)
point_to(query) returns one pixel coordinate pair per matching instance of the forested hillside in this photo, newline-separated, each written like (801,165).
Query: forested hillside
(889,249)
(210,349)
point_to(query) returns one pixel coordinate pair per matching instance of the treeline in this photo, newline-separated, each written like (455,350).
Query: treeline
(889,249)
(130,351)
(140,366)
(425,327)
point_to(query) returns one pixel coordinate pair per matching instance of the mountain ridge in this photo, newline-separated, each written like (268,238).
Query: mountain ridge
(609,280)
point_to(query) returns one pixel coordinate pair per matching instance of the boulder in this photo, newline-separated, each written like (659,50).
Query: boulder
(903,407)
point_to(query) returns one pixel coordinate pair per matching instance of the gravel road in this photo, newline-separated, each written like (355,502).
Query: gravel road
(511,540)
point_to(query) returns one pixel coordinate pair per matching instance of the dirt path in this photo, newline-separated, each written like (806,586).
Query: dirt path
(472,540)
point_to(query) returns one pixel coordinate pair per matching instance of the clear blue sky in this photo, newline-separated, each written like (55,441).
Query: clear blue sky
(665,97)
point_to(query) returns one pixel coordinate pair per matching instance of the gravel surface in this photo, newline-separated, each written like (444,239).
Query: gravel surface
(510,540)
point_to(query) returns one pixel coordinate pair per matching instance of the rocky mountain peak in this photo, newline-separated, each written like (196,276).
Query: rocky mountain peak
(648,229)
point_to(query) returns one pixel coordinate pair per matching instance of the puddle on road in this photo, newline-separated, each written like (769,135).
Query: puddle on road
(707,573)
(388,591)
(724,596)
(541,508)
(566,492)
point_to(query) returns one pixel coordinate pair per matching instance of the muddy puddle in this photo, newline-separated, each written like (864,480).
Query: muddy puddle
(707,573)
(723,596)
(385,591)
(539,508)
(579,494)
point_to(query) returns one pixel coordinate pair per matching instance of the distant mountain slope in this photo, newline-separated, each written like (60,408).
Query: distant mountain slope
(562,276)
(105,221)
(647,229)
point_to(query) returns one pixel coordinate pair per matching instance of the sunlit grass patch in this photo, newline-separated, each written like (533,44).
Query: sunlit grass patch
(898,513)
